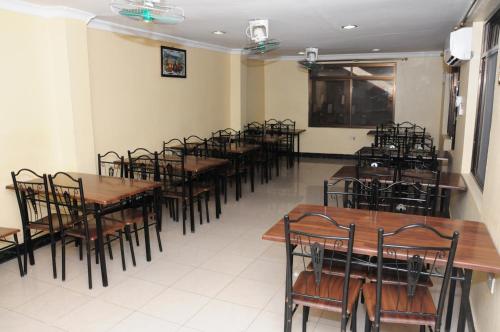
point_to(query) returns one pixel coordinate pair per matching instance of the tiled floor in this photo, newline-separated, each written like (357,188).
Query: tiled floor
(222,278)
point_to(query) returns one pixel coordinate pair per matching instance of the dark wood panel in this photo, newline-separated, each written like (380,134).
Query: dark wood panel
(476,250)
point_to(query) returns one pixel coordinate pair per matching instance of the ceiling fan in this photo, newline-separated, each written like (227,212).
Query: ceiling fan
(258,33)
(311,56)
(154,11)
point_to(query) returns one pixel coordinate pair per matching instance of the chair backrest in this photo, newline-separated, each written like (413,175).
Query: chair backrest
(227,136)
(254,133)
(414,253)
(143,165)
(380,173)
(349,192)
(403,197)
(216,148)
(322,250)
(110,164)
(171,171)
(174,143)
(32,193)
(69,200)
(196,146)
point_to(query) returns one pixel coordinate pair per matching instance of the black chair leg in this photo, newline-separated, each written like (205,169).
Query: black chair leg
(207,198)
(80,248)
(368,324)
(422,328)
(122,251)
(108,239)
(354,316)
(18,255)
(305,318)
(160,246)
(136,231)
(128,236)
(63,257)
(96,252)
(89,260)
(200,210)
(53,254)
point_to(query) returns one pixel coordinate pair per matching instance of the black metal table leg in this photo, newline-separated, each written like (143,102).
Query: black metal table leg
(191,200)
(217,180)
(100,243)
(298,148)
(252,173)
(237,178)
(451,300)
(464,301)
(146,227)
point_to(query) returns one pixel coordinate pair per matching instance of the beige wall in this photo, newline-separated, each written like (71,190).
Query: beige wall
(133,106)
(476,204)
(255,107)
(419,86)
(43,100)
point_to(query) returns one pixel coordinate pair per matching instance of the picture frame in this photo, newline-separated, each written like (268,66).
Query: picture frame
(173,62)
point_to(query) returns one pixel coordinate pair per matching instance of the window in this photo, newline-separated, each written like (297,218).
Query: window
(357,95)
(485,103)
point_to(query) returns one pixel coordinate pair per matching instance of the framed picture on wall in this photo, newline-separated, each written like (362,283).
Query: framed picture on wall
(173,62)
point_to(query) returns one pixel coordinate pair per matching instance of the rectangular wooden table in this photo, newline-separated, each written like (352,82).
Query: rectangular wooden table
(475,252)
(103,192)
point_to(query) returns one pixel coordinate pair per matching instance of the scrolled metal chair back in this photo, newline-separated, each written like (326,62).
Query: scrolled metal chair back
(319,255)
(349,192)
(111,164)
(413,264)
(143,165)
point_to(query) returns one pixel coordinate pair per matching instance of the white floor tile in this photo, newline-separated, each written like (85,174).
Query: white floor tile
(163,272)
(142,322)
(175,305)
(204,282)
(132,293)
(227,263)
(248,292)
(21,291)
(220,316)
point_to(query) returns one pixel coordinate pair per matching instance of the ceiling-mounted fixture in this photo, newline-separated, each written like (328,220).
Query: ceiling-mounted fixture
(311,56)
(219,32)
(349,26)
(458,47)
(258,33)
(376,50)
(154,11)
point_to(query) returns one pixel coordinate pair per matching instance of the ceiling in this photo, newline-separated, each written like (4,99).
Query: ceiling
(388,25)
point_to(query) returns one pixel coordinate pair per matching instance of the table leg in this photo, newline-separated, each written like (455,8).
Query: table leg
(298,149)
(252,173)
(277,156)
(451,299)
(146,228)
(100,243)
(464,301)
(237,178)
(217,180)
(191,200)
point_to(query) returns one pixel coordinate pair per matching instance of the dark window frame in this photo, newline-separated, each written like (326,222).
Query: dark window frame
(454,92)
(484,115)
(351,78)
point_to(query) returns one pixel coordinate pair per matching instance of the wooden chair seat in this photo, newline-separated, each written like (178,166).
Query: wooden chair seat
(5,231)
(331,286)
(357,271)
(42,224)
(109,227)
(392,278)
(421,302)
(129,216)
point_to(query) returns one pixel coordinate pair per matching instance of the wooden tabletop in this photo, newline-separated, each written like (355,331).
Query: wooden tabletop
(105,190)
(476,250)
(201,164)
(451,181)
(241,148)
(379,151)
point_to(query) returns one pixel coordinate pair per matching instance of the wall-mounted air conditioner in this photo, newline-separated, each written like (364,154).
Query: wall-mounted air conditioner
(458,47)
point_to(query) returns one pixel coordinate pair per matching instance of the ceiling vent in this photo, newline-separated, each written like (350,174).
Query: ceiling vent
(458,47)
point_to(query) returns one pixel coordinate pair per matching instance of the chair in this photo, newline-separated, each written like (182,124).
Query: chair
(32,193)
(5,233)
(287,129)
(403,197)
(174,143)
(315,288)
(196,146)
(111,164)
(143,164)
(69,199)
(176,186)
(406,300)
(254,133)
(360,196)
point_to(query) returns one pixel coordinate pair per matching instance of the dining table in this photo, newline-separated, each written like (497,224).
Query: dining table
(104,194)
(476,251)
(374,151)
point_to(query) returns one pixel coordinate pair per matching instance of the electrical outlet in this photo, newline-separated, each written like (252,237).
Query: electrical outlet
(491,282)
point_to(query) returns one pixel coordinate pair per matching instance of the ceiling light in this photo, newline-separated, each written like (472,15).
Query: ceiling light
(219,32)
(349,26)
(301,53)
(376,50)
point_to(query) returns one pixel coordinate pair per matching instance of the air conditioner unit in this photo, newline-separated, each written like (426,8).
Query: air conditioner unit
(458,47)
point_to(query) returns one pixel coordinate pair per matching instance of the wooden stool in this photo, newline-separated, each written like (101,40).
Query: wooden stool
(6,232)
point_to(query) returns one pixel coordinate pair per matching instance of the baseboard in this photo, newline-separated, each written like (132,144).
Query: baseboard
(327,155)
